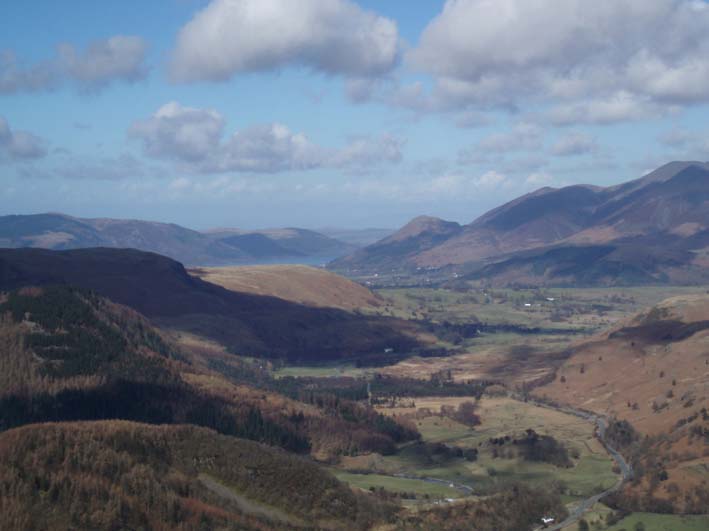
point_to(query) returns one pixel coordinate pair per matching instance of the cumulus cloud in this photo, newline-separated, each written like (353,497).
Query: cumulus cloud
(194,137)
(574,143)
(117,58)
(229,37)
(184,133)
(629,58)
(19,145)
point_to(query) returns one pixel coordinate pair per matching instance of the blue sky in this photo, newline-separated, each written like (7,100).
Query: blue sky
(256,113)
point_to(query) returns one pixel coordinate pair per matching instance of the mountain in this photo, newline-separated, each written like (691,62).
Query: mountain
(651,371)
(298,245)
(221,247)
(162,290)
(419,235)
(650,230)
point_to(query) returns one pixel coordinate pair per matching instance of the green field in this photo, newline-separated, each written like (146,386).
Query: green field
(394,484)
(592,471)
(570,309)
(663,522)
(329,370)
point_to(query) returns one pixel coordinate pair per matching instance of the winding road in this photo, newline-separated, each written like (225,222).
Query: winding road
(625,469)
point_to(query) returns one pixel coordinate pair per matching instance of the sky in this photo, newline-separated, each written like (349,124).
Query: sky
(339,113)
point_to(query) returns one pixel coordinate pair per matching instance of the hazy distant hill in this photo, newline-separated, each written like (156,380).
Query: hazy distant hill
(654,229)
(221,247)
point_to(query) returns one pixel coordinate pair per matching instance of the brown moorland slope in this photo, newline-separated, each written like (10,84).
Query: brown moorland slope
(296,283)
(653,372)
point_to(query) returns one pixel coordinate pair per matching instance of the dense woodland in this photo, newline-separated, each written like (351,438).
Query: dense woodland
(118,475)
(70,355)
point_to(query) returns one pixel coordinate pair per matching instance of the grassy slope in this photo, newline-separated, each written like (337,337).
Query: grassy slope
(296,283)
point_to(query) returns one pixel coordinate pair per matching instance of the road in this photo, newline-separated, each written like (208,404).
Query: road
(625,469)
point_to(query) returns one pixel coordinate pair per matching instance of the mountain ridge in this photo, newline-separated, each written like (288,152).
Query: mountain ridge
(665,209)
(213,247)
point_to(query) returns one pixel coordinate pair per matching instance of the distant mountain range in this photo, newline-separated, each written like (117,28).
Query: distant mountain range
(191,247)
(651,230)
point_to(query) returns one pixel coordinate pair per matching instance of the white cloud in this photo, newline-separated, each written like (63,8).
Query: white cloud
(117,58)
(121,57)
(629,58)
(19,145)
(194,137)
(229,37)
(361,151)
(266,148)
(491,180)
(619,107)
(184,133)
(539,179)
(574,143)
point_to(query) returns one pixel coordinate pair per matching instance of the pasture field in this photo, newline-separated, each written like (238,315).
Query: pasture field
(663,522)
(329,370)
(396,484)
(500,416)
(573,309)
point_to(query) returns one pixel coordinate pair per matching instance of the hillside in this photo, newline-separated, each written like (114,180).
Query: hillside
(302,284)
(651,230)
(68,355)
(223,247)
(122,475)
(653,372)
(162,290)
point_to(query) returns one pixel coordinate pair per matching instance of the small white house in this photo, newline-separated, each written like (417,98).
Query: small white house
(546,520)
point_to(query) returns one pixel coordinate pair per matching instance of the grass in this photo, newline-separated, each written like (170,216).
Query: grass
(663,522)
(572,308)
(321,371)
(394,484)
(592,472)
